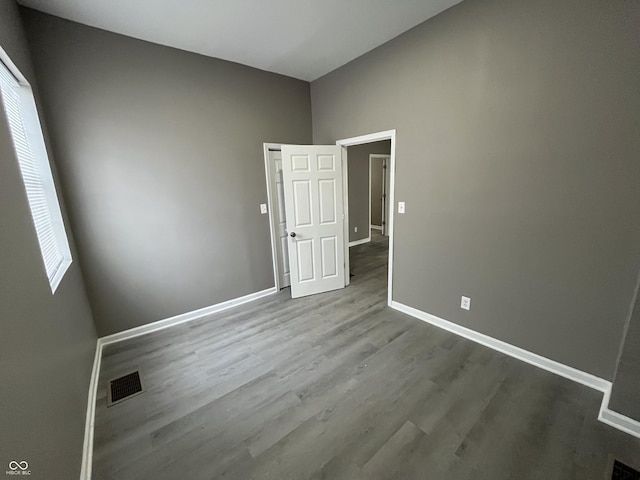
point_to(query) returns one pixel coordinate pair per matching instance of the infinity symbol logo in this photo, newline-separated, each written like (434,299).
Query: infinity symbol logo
(13,465)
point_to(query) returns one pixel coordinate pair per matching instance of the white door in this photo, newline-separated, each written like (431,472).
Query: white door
(280,220)
(313,185)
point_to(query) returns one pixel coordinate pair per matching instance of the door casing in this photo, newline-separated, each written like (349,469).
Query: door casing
(275,205)
(344,143)
(385,203)
(271,209)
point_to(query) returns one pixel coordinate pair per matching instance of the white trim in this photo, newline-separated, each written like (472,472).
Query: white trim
(383,157)
(89,425)
(345,215)
(270,203)
(359,242)
(369,194)
(46,193)
(605,415)
(272,226)
(185,317)
(558,368)
(390,209)
(374,137)
(385,135)
(369,138)
(617,420)
(15,71)
(59,275)
(87,448)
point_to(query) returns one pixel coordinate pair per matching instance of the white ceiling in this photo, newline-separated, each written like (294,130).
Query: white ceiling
(304,39)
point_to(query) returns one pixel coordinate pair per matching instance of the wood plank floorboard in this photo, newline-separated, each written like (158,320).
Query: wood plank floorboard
(339,386)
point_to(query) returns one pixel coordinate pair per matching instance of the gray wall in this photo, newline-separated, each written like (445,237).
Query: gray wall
(160,154)
(625,394)
(358,179)
(47,342)
(376,190)
(517,157)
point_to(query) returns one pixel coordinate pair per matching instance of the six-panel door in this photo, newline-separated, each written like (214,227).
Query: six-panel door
(314,210)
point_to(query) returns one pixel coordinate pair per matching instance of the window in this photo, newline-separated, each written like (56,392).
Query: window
(28,142)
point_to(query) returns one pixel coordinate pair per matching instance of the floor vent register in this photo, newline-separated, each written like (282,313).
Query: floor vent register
(624,472)
(123,388)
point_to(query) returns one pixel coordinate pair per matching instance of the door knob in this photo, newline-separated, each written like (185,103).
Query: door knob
(292,234)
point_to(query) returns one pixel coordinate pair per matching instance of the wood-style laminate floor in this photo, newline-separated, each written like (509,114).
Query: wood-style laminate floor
(338,386)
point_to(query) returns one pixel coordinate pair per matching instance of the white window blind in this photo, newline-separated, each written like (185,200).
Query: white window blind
(19,108)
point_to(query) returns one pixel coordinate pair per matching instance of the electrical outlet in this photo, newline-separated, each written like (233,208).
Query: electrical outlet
(465,303)
(400,207)
(263,208)
(355,229)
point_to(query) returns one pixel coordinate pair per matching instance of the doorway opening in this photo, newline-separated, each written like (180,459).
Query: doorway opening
(284,162)
(370,172)
(378,188)
(367,183)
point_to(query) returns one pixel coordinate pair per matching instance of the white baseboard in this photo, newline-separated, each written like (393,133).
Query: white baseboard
(359,242)
(87,449)
(605,415)
(376,227)
(185,317)
(521,354)
(617,420)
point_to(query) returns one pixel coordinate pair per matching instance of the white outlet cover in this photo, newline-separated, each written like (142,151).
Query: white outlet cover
(465,303)
(263,208)
(400,207)
(355,229)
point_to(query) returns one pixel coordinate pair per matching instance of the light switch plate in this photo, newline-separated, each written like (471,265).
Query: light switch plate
(263,208)
(465,303)
(400,207)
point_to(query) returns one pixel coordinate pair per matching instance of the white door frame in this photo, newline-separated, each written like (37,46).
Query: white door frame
(344,143)
(372,156)
(271,198)
(349,142)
